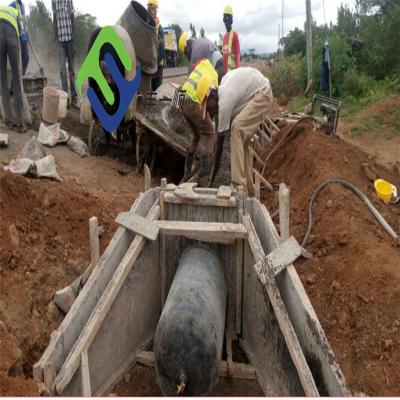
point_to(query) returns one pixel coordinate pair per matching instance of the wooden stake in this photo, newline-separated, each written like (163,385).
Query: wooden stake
(94,240)
(163,261)
(284,213)
(85,375)
(258,186)
(147,178)
(49,375)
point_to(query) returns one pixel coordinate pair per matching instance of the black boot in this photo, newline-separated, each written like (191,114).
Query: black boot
(188,166)
(206,165)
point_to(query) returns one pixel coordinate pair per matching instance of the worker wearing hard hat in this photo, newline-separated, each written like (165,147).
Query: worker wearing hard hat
(152,8)
(242,101)
(10,26)
(197,87)
(197,50)
(231,43)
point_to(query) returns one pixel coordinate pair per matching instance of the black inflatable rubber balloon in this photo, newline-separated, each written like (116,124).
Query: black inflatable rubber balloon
(190,334)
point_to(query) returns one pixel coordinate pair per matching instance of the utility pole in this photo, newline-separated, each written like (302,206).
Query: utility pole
(309,46)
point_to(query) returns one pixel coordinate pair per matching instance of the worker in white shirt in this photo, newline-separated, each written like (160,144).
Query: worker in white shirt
(242,101)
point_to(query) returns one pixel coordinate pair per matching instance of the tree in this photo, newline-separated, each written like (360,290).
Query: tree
(346,21)
(193,30)
(294,43)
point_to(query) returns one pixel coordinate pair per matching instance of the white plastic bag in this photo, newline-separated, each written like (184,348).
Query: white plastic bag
(46,168)
(20,166)
(33,150)
(78,146)
(52,135)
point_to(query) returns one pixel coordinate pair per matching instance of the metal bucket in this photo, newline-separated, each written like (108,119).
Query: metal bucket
(142,30)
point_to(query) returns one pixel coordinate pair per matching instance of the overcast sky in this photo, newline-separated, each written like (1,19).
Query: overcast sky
(257,21)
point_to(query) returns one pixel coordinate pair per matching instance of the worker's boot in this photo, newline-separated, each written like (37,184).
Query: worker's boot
(188,166)
(206,165)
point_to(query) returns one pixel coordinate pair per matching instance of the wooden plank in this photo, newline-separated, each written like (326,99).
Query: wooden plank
(49,375)
(139,225)
(239,285)
(106,301)
(224,192)
(304,319)
(85,375)
(210,232)
(147,178)
(284,212)
(258,186)
(240,371)
(284,322)
(69,330)
(163,261)
(94,241)
(186,191)
(202,201)
(257,158)
(263,181)
(275,262)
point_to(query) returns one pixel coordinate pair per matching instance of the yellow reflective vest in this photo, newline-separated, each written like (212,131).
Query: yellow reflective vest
(10,14)
(203,68)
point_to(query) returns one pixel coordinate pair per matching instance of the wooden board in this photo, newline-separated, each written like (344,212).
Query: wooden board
(103,306)
(210,232)
(201,201)
(320,357)
(68,332)
(137,224)
(224,192)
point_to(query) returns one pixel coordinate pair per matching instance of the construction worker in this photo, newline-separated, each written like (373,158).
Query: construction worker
(241,102)
(152,7)
(197,50)
(24,38)
(10,26)
(231,43)
(200,82)
(64,31)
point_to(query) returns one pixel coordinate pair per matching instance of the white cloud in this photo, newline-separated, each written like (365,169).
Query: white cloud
(257,21)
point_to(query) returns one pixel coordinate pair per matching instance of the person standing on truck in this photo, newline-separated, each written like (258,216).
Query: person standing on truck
(201,80)
(10,26)
(197,50)
(231,43)
(63,24)
(23,36)
(242,101)
(152,7)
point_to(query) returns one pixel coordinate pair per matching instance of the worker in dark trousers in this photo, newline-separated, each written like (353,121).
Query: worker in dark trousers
(23,35)
(9,49)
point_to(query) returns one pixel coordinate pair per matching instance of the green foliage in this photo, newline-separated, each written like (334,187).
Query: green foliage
(294,43)
(85,25)
(341,58)
(346,21)
(287,78)
(357,84)
(40,27)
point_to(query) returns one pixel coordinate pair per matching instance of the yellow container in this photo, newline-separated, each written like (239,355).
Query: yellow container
(385,190)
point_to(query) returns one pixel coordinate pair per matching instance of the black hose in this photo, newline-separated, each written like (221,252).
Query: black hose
(356,191)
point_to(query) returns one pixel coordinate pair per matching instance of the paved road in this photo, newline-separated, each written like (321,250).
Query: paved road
(170,72)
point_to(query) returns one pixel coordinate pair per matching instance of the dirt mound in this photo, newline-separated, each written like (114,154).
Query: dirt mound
(353,280)
(44,246)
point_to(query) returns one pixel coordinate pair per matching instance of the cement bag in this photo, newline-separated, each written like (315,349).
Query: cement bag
(33,150)
(49,135)
(86,116)
(20,166)
(46,168)
(78,146)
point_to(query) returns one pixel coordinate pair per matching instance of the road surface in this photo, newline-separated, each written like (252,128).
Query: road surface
(173,72)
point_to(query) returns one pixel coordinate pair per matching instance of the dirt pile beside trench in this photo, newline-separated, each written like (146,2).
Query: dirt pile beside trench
(44,246)
(354,279)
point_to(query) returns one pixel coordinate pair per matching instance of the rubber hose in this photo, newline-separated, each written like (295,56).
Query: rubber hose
(356,191)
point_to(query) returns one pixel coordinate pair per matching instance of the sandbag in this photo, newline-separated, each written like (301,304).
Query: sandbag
(78,146)
(33,150)
(46,168)
(52,135)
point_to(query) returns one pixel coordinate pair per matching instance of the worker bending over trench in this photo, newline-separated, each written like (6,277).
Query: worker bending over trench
(241,103)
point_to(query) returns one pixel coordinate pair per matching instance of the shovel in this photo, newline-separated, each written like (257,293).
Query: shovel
(37,60)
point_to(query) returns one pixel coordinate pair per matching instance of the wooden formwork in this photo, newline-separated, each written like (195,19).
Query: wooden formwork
(111,325)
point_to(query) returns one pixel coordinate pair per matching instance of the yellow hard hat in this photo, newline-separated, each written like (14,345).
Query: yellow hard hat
(203,86)
(152,3)
(228,10)
(182,41)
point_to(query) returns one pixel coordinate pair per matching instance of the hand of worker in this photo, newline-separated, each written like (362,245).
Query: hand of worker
(224,134)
